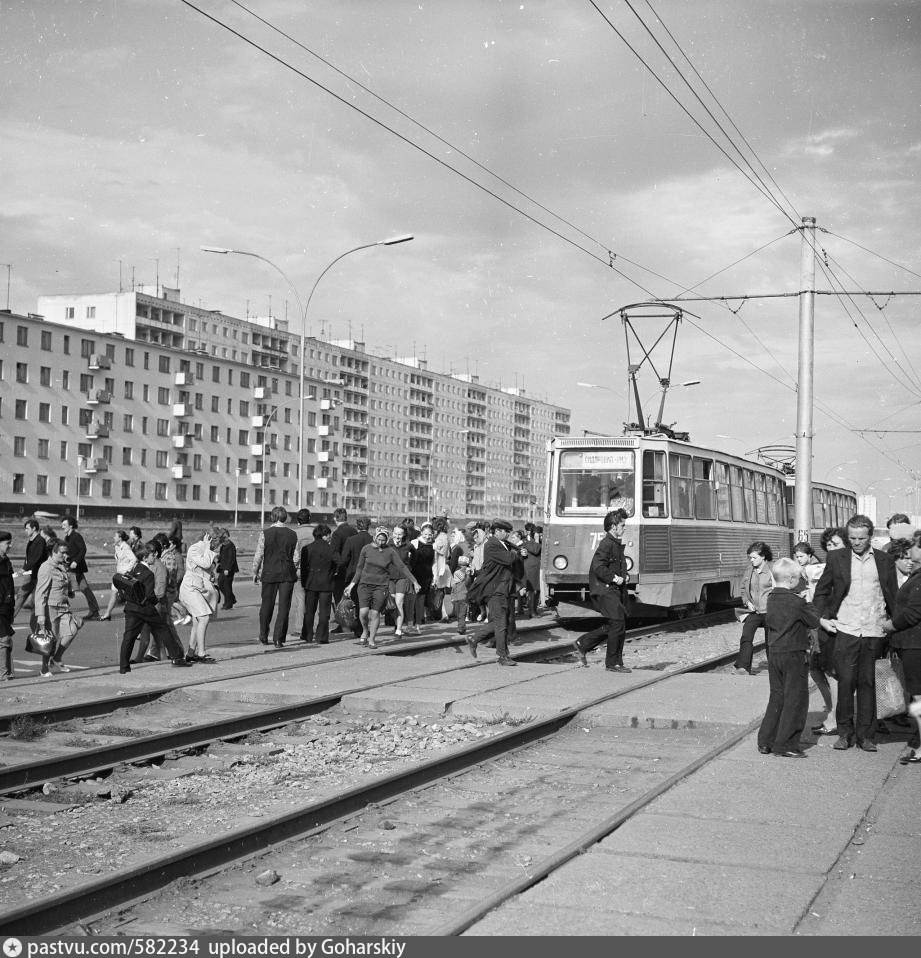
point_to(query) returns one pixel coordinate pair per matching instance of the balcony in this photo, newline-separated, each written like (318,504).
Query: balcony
(262,393)
(182,410)
(95,430)
(257,449)
(255,478)
(322,483)
(182,472)
(185,379)
(182,441)
(326,404)
(96,397)
(258,422)
(322,457)
(96,465)
(323,430)
(99,362)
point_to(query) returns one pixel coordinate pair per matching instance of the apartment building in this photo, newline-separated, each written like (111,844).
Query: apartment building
(136,401)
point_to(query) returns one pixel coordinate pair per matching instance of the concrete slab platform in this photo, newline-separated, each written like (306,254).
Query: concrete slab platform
(866,907)
(688,891)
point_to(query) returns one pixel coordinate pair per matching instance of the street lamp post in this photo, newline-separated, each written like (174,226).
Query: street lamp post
(236,497)
(392,241)
(79,465)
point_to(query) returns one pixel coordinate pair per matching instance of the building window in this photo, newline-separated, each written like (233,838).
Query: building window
(90,312)
(126,456)
(43,448)
(147,360)
(196,493)
(19,482)
(164,364)
(63,450)
(65,379)
(143,491)
(44,375)
(215,434)
(162,427)
(199,401)
(46,340)
(128,422)
(163,395)
(143,458)
(86,382)
(215,404)
(145,391)
(67,344)
(244,380)
(44,412)
(68,312)
(144,425)
(126,488)
(22,372)
(244,407)
(86,486)
(62,485)
(106,488)
(22,335)
(110,351)
(129,390)
(160,490)
(129,356)
(212,493)
(65,415)
(216,374)
(19,445)
(162,459)
(21,409)
(244,437)
(87,347)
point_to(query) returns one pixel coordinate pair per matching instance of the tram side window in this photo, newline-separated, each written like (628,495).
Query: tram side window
(760,497)
(736,493)
(723,500)
(703,489)
(748,492)
(654,480)
(682,490)
(774,501)
(818,509)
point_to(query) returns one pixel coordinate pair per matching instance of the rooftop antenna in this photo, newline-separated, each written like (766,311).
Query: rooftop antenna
(157,274)
(247,310)
(270,305)
(120,286)
(177,267)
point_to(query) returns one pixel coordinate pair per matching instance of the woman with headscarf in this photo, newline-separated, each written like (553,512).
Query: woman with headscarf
(441,572)
(377,565)
(198,594)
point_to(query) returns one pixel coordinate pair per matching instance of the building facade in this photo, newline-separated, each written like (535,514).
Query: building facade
(134,403)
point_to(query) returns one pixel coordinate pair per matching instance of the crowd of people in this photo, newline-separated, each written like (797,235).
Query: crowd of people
(313,580)
(832,621)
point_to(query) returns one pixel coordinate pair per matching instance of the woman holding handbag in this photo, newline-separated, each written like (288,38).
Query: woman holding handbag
(52,607)
(906,641)
(198,594)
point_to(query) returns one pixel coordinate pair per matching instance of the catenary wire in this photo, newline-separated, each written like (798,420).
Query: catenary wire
(605,260)
(766,193)
(885,259)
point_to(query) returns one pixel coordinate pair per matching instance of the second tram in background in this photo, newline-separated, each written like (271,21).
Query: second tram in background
(693,513)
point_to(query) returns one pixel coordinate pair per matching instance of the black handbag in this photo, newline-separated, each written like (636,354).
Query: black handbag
(129,588)
(41,642)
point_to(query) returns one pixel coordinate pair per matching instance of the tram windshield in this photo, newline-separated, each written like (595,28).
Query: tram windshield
(592,482)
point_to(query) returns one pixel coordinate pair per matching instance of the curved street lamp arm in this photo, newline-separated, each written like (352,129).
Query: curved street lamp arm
(331,265)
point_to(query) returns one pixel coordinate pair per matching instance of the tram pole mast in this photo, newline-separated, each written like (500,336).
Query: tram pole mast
(803,489)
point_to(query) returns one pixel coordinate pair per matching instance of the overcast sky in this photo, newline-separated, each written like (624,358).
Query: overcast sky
(132,129)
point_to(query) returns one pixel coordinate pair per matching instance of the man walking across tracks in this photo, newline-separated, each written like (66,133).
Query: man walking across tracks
(76,550)
(607,580)
(495,585)
(857,591)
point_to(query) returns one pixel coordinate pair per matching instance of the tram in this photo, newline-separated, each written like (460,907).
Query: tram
(692,511)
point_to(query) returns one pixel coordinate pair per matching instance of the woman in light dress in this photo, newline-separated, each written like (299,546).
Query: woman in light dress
(125,561)
(199,595)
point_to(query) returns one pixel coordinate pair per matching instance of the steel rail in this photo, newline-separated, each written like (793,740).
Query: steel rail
(58,910)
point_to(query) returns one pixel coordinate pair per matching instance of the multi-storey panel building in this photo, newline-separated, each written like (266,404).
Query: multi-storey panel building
(133,401)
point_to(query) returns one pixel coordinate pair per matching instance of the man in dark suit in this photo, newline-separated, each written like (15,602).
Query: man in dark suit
(341,534)
(497,585)
(318,570)
(76,551)
(227,568)
(36,553)
(857,591)
(607,582)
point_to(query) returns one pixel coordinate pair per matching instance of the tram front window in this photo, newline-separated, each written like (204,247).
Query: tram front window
(593,483)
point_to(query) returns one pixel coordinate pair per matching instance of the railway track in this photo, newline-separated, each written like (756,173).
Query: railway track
(243,718)
(59,910)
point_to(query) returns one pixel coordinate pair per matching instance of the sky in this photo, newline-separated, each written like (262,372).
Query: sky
(548,176)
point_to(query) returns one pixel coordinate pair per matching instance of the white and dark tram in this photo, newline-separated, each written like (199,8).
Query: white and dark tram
(693,512)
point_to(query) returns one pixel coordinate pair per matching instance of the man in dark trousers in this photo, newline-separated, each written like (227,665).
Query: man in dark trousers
(36,553)
(607,582)
(227,568)
(76,551)
(273,566)
(341,534)
(350,554)
(317,570)
(857,592)
(497,585)
(142,608)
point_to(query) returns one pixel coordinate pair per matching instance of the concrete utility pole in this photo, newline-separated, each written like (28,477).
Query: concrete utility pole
(803,489)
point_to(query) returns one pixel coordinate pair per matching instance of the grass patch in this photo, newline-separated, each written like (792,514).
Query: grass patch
(507,719)
(24,728)
(118,731)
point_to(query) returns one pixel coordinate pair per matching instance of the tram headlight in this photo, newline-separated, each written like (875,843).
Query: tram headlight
(560,563)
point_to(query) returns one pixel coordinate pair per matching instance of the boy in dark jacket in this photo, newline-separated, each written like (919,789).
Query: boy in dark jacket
(787,622)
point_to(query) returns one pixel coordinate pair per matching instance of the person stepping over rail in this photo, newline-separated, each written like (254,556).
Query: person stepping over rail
(495,585)
(755,587)
(607,582)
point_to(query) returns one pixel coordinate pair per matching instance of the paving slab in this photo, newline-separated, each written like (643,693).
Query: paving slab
(746,897)
(866,906)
